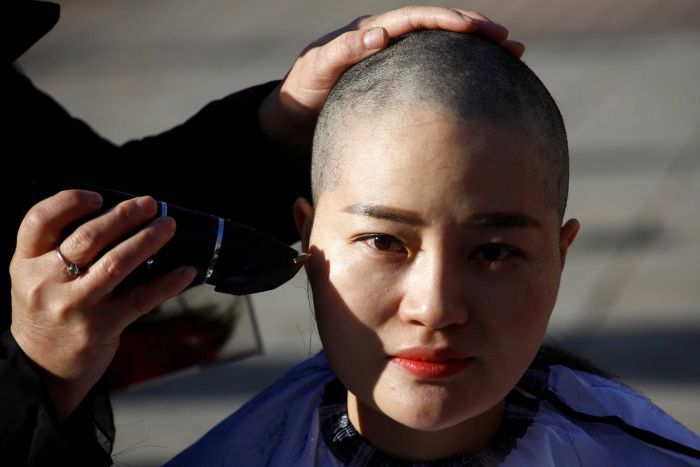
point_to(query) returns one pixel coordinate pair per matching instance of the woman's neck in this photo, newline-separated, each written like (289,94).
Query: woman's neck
(408,444)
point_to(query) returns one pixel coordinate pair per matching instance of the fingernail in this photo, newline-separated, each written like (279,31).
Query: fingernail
(96,199)
(468,19)
(166,223)
(373,39)
(188,271)
(186,274)
(147,205)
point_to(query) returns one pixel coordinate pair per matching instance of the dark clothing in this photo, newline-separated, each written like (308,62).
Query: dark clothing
(23,23)
(29,431)
(39,136)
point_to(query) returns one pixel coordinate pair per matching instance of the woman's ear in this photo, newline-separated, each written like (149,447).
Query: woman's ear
(567,235)
(304,219)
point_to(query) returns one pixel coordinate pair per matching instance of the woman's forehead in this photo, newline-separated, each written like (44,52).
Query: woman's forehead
(435,156)
(420,135)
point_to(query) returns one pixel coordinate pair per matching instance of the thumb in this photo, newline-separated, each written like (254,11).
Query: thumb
(374,39)
(348,49)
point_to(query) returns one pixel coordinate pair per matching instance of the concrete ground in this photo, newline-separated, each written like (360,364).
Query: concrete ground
(625,75)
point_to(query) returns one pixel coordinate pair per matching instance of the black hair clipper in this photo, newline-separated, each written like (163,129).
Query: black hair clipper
(234,258)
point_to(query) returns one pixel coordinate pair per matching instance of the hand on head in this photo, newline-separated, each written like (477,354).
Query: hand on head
(69,324)
(289,113)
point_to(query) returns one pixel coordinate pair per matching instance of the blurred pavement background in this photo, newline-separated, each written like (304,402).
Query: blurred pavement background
(626,76)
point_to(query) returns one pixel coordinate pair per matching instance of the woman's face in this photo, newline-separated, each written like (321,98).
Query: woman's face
(436,265)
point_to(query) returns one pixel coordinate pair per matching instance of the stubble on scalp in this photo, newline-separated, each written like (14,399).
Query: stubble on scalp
(458,75)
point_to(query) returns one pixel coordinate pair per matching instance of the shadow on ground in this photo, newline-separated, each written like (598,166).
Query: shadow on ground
(224,380)
(648,355)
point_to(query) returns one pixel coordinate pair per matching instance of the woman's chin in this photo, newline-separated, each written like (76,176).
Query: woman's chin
(428,418)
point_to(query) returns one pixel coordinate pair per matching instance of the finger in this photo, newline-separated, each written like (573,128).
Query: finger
(120,261)
(326,38)
(474,14)
(346,50)
(82,246)
(407,19)
(41,229)
(491,31)
(139,301)
(485,27)
(373,40)
(514,47)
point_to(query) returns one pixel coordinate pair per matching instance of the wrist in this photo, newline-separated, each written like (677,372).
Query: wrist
(65,396)
(287,122)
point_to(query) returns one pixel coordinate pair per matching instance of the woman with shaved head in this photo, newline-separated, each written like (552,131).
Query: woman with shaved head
(437,238)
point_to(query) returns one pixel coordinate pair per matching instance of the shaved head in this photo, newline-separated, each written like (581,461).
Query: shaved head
(461,76)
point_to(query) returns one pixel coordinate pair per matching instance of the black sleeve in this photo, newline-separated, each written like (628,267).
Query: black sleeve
(219,161)
(31,435)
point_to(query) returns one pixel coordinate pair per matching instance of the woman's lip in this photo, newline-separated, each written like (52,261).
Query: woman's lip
(429,355)
(430,363)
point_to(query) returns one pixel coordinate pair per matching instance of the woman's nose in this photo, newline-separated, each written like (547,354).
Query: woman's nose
(435,294)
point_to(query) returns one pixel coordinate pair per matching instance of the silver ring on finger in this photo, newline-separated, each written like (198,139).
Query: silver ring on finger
(72,269)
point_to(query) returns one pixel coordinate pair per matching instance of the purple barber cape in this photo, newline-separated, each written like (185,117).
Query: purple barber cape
(581,419)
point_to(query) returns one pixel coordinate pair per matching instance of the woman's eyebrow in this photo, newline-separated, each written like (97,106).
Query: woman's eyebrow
(501,219)
(485,220)
(384,212)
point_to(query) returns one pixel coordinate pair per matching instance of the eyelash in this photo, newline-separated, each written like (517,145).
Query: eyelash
(512,252)
(385,237)
(479,254)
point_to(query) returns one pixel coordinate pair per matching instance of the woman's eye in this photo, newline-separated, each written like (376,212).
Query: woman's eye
(383,242)
(495,252)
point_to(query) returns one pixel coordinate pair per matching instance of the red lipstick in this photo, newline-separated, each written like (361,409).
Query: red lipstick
(427,363)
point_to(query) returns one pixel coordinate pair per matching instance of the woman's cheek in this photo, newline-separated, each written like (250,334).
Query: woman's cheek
(531,302)
(366,287)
